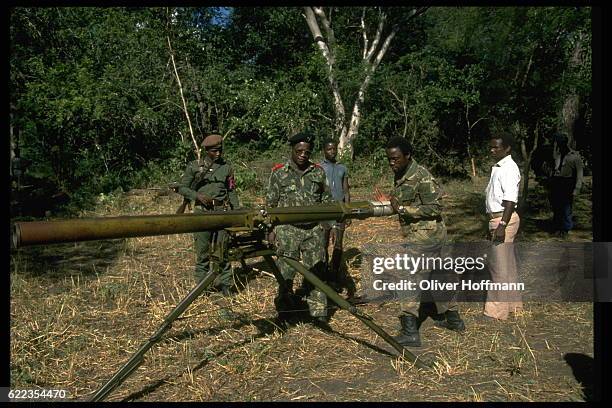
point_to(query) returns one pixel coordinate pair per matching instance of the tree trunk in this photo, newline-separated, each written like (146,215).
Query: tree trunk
(328,53)
(345,144)
(569,114)
(13,146)
(372,55)
(571,105)
(527,167)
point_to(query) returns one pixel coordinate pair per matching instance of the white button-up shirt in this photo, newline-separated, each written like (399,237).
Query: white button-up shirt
(503,184)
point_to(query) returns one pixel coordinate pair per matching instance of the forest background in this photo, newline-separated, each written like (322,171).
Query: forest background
(103,100)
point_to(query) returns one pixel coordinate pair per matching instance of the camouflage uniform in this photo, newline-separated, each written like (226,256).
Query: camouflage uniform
(421,223)
(215,180)
(288,187)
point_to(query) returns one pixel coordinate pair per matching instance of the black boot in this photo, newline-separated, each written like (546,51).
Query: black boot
(285,301)
(409,332)
(452,321)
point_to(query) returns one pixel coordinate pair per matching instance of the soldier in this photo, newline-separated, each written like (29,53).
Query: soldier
(416,198)
(295,183)
(210,184)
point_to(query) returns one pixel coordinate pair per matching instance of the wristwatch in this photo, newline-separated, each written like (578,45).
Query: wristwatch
(503,223)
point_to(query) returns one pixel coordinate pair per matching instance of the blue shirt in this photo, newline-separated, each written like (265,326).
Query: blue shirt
(334,173)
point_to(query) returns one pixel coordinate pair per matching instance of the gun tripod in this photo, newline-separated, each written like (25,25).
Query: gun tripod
(241,248)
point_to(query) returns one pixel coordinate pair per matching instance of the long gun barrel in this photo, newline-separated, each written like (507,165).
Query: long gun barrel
(253,220)
(91,229)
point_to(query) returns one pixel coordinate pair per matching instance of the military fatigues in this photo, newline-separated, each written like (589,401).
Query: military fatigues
(216,181)
(421,222)
(288,186)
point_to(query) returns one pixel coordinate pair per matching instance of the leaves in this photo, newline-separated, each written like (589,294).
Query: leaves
(94,99)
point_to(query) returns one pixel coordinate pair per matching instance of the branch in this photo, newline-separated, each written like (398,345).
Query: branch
(381,22)
(331,39)
(311,20)
(528,68)
(178,79)
(417,12)
(383,49)
(405,113)
(364,33)
(313,25)
(474,124)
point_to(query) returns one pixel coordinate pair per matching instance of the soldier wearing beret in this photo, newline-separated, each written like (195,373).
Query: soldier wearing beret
(416,198)
(294,183)
(210,184)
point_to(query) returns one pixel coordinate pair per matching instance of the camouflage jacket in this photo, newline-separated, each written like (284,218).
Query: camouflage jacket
(419,193)
(215,181)
(289,187)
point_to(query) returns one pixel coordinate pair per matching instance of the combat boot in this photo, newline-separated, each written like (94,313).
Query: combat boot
(285,301)
(409,332)
(452,321)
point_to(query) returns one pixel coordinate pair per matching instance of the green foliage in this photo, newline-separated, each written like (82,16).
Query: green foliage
(96,106)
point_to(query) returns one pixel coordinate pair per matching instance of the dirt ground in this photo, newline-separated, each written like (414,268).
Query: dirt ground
(79,311)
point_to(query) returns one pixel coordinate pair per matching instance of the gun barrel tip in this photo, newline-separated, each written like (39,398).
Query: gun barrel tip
(382,208)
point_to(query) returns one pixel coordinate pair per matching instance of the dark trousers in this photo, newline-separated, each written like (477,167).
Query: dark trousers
(202,242)
(561,198)
(336,257)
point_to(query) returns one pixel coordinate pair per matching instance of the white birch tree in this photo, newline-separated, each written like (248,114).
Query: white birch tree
(373,50)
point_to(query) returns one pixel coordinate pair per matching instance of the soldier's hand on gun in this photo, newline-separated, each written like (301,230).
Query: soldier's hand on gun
(379,195)
(204,199)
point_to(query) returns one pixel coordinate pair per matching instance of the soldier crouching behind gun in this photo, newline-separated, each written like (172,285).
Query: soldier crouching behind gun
(416,198)
(210,184)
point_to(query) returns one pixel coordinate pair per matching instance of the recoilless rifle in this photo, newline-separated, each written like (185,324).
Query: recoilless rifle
(248,230)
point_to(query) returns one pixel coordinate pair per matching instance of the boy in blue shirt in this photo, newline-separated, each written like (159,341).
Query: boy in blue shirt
(337,179)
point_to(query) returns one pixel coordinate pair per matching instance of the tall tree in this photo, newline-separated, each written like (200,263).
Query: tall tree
(373,50)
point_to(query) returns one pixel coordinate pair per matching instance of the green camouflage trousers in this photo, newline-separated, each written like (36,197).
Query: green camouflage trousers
(305,245)
(423,235)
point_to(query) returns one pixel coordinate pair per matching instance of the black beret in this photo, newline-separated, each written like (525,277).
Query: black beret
(301,137)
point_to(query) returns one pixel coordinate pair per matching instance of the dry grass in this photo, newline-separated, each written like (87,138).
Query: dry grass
(78,312)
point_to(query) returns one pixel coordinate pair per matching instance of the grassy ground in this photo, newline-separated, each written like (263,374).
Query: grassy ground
(78,312)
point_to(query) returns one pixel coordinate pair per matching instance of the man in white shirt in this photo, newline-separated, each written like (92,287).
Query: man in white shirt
(502,196)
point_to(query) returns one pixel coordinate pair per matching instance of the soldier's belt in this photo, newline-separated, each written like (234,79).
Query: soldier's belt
(308,226)
(215,204)
(437,218)
(496,214)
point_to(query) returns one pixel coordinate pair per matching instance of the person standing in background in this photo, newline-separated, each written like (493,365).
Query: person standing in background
(501,198)
(337,180)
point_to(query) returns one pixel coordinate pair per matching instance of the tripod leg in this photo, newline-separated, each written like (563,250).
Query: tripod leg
(137,358)
(277,273)
(318,283)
